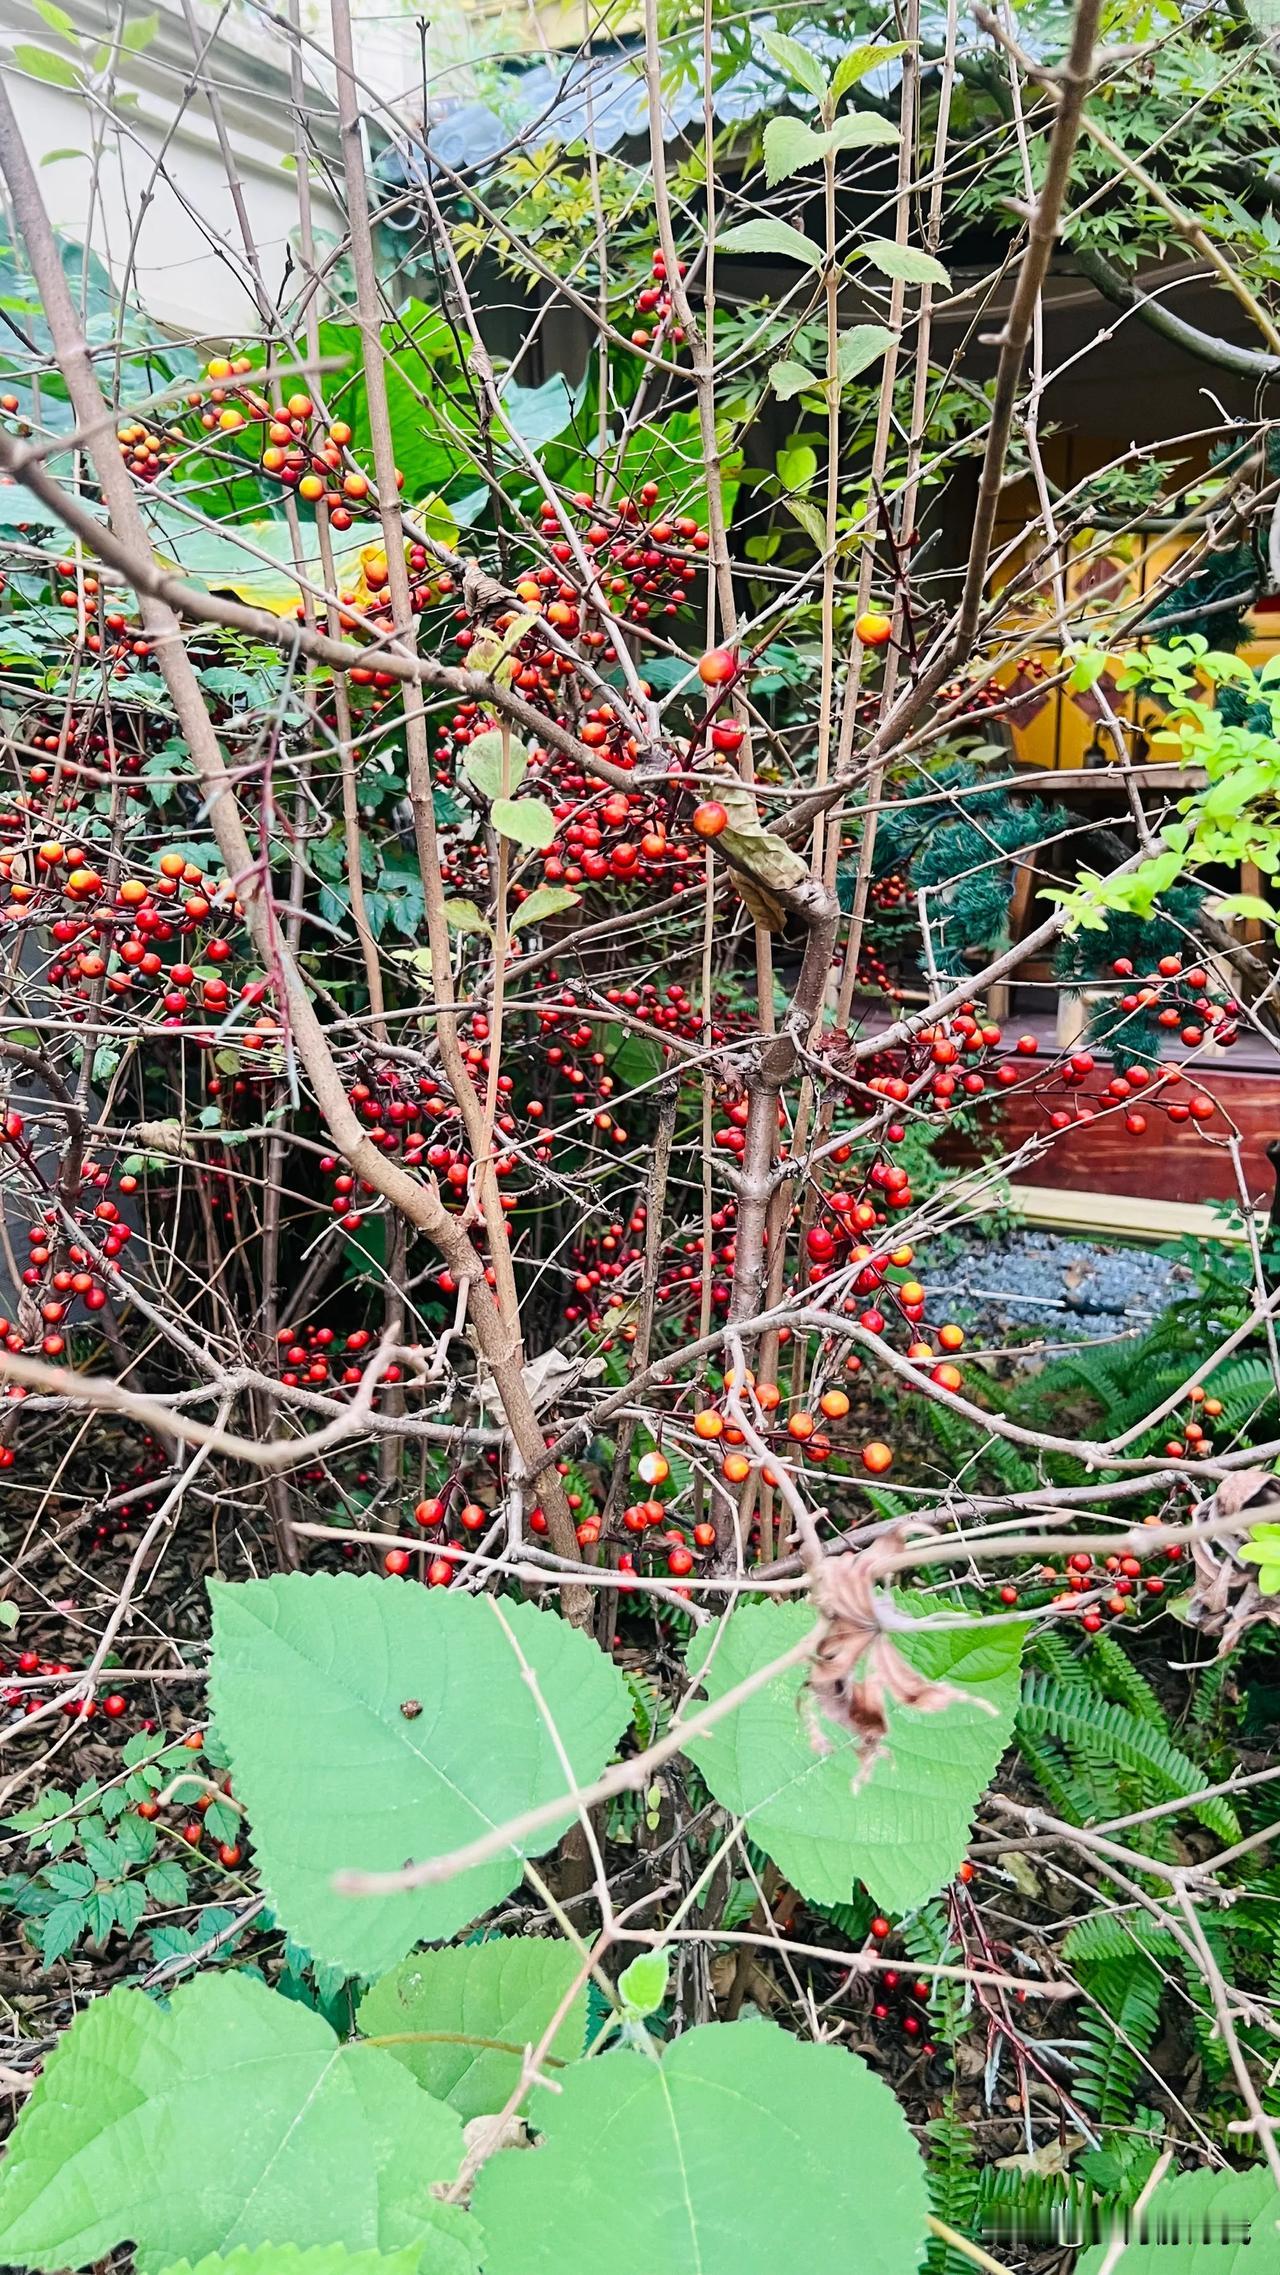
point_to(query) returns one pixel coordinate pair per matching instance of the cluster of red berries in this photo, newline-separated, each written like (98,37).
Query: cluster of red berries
(1110,1584)
(654,305)
(29,1664)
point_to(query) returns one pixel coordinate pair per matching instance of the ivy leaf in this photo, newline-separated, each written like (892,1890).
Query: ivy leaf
(905,261)
(526,820)
(788,145)
(1226,2220)
(797,63)
(542,902)
(777,237)
(861,345)
(311,1676)
(819,2144)
(902,1831)
(231,2116)
(499,1989)
(482,763)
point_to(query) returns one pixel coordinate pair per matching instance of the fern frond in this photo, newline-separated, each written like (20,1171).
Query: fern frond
(1097,1730)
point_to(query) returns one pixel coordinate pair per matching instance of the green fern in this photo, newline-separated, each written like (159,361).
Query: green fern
(1117,2034)
(953,2177)
(1098,1732)
(1116,1674)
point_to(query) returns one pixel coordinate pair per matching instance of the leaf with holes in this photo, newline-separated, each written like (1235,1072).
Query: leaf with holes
(795,1777)
(819,2147)
(314,1677)
(233,2116)
(497,1990)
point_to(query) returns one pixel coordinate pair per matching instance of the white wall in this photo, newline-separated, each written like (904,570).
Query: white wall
(189,267)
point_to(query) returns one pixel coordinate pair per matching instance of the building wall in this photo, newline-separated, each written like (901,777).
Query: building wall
(150,164)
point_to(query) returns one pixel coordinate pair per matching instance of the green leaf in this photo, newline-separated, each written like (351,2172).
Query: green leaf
(63,1925)
(902,1828)
(776,237)
(464,916)
(738,2141)
(482,764)
(788,145)
(311,1676)
(542,902)
(642,1986)
(788,379)
(130,1902)
(58,21)
(286,2259)
(812,522)
(9,1615)
(797,63)
(1249,905)
(905,261)
(57,71)
(861,345)
(526,820)
(861,60)
(1088,667)
(231,2116)
(499,1989)
(797,466)
(1224,2221)
(140,33)
(862,130)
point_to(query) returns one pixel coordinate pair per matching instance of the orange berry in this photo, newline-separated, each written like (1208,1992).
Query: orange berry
(834,1404)
(877,1457)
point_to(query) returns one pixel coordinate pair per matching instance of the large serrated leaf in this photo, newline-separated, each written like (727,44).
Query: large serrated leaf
(902,1829)
(736,2149)
(286,2259)
(230,2117)
(369,1722)
(501,1990)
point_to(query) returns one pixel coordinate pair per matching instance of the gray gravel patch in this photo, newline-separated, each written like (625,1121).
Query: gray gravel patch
(1045,1283)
